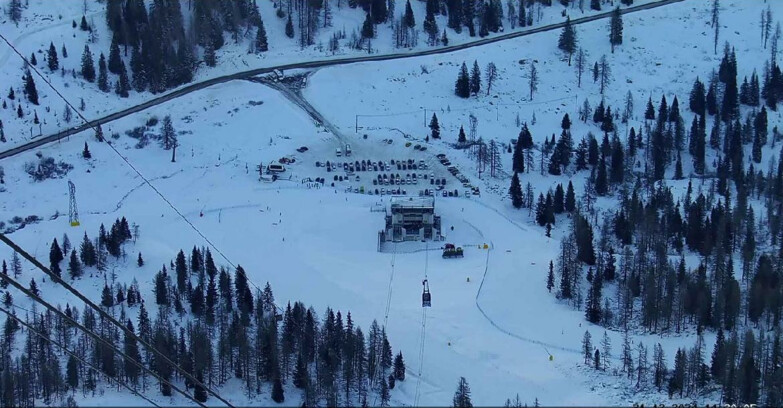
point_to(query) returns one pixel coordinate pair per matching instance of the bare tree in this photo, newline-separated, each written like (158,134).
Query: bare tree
(605,73)
(716,22)
(482,156)
(492,74)
(533,80)
(766,24)
(628,111)
(512,14)
(495,160)
(773,47)
(579,64)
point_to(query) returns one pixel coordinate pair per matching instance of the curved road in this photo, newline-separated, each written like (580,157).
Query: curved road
(312,64)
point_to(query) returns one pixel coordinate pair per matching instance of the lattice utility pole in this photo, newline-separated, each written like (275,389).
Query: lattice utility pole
(73,212)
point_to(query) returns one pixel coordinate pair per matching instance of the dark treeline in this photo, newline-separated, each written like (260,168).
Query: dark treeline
(210,322)
(626,268)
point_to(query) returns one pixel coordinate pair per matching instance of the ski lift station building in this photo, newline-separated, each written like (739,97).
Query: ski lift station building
(411,219)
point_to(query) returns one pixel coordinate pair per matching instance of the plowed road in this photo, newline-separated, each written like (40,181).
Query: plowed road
(312,64)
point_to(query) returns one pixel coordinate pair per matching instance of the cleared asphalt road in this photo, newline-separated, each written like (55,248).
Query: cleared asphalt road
(311,64)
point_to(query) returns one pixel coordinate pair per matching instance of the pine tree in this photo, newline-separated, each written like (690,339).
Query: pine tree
(103,79)
(399,367)
(123,84)
(606,351)
(115,60)
(587,347)
(570,198)
(434,127)
(29,90)
(51,58)
(107,297)
(462,395)
(475,79)
(462,86)
(408,19)
(168,134)
(567,41)
(368,27)
(88,66)
(677,380)
(616,28)
(277,391)
(461,138)
(515,191)
(601,181)
(74,266)
(55,257)
(593,303)
(550,278)
(210,58)
(430,25)
(261,44)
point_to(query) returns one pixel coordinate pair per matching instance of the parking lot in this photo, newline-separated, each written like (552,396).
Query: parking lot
(404,176)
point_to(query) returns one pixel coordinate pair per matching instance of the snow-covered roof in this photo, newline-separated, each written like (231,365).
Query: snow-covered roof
(413,202)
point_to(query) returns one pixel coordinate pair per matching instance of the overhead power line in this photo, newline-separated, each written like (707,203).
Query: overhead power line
(92,334)
(105,315)
(33,330)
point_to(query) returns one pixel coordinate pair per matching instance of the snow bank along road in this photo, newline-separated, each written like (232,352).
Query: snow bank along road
(310,64)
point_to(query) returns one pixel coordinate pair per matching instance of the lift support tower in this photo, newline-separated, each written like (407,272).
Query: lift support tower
(73,212)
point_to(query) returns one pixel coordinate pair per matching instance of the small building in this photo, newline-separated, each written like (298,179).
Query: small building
(412,219)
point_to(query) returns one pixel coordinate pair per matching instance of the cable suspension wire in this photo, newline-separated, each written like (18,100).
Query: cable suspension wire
(423,333)
(32,329)
(108,317)
(99,134)
(95,336)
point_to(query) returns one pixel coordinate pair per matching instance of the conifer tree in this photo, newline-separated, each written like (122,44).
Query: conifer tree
(88,66)
(55,257)
(515,191)
(587,347)
(570,198)
(30,91)
(261,44)
(277,391)
(567,41)
(368,28)
(462,395)
(550,278)
(462,86)
(103,79)
(616,28)
(399,367)
(115,60)
(461,138)
(475,79)
(74,266)
(51,58)
(408,19)
(434,127)
(601,180)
